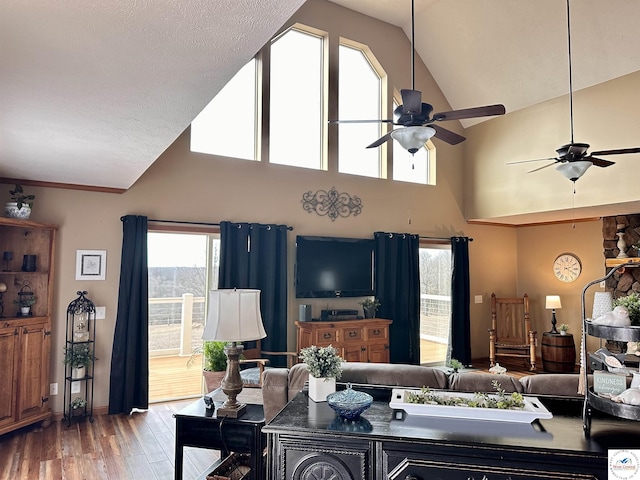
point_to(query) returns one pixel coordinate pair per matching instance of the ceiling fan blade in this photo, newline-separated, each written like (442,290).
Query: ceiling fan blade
(381,140)
(360,121)
(618,151)
(542,168)
(599,162)
(411,101)
(448,136)
(528,161)
(486,111)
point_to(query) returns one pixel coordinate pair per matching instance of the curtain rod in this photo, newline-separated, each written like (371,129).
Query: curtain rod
(193,223)
(442,238)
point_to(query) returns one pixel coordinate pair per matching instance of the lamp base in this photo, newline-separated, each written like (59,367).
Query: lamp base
(553,322)
(232,383)
(231,411)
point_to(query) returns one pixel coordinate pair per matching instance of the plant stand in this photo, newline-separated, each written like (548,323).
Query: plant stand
(80,330)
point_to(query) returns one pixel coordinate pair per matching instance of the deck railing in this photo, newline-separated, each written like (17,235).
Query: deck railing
(186,322)
(437,308)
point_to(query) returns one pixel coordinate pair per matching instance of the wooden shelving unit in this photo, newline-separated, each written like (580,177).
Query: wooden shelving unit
(25,338)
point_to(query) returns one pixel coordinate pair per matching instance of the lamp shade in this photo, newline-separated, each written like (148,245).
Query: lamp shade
(413,138)
(553,301)
(574,170)
(234,316)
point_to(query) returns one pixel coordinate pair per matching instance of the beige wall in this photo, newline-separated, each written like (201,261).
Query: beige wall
(606,116)
(538,247)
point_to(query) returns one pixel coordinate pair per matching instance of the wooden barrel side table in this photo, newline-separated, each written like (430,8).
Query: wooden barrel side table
(558,353)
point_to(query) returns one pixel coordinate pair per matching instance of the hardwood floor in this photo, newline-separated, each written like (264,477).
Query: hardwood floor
(114,447)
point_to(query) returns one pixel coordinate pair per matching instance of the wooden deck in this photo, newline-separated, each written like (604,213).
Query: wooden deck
(170,378)
(432,353)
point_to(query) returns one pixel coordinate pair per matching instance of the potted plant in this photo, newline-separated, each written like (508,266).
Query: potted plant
(369,307)
(24,304)
(77,406)
(79,356)
(455,365)
(632,304)
(20,204)
(564,328)
(214,363)
(324,366)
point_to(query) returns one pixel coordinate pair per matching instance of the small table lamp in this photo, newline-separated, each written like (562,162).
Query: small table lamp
(233,316)
(553,303)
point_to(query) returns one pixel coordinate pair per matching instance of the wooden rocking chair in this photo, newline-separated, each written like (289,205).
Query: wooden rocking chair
(510,334)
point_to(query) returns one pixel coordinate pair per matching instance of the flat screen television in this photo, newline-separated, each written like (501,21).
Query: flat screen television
(330,267)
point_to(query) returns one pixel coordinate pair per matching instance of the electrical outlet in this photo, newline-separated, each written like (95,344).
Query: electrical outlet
(53,389)
(101,312)
(602,284)
(75,387)
(478,298)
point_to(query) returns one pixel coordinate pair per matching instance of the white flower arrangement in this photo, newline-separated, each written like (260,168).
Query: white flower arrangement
(322,362)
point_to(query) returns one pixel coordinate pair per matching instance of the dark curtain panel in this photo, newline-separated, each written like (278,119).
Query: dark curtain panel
(460,298)
(397,286)
(255,256)
(129,379)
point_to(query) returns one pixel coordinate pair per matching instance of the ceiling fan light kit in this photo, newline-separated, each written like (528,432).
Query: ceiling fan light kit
(413,139)
(573,160)
(574,170)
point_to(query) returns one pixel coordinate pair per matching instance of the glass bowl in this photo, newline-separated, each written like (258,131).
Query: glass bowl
(348,403)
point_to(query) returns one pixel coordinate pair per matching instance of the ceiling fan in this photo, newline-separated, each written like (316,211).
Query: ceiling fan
(416,119)
(572,160)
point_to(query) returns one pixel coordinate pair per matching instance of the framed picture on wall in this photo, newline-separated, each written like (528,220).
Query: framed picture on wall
(91,264)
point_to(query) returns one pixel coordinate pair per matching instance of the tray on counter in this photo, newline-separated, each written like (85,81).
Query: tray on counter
(533,408)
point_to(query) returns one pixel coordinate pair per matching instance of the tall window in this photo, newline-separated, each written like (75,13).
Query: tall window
(216,129)
(296,126)
(359,98)
(435,302)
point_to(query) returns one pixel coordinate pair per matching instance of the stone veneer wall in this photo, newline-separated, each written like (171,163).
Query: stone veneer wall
(621,284)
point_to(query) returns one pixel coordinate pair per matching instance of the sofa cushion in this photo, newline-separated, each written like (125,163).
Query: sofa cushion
(393,375)
(483,382)
(556,384)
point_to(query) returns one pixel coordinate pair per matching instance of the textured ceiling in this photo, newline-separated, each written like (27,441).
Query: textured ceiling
(92,92)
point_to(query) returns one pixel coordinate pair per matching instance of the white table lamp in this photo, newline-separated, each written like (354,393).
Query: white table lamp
(553,303)
(233,316)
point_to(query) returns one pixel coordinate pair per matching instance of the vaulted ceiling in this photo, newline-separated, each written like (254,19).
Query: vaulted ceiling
(93,91)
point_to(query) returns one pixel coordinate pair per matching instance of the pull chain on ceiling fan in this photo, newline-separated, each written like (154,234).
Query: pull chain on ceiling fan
(572,160)
(415,118)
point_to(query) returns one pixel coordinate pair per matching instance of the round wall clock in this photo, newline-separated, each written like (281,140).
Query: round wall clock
(567,267)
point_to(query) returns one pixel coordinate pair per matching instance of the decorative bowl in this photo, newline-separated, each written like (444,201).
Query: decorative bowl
(348,403)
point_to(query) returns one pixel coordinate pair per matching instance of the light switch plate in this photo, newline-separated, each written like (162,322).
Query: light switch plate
(53,389)
(101,313)
(478,298)
(75,387)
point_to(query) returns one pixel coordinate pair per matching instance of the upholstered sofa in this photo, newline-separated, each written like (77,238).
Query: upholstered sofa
(279,385)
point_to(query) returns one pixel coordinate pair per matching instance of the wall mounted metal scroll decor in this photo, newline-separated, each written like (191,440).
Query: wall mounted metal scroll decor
(331,203)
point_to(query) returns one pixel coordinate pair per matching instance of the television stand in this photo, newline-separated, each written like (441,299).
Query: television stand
(365,340)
